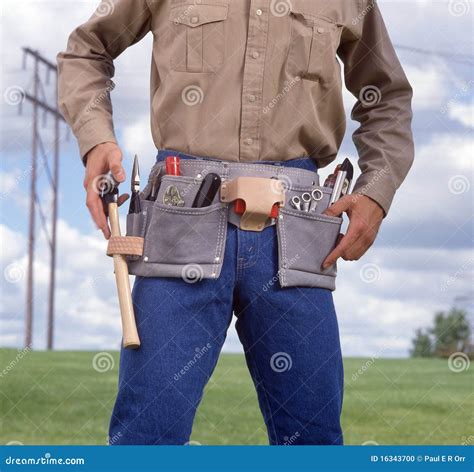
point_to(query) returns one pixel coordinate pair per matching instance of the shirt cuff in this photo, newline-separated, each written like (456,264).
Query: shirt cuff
(378,186)
(92,133)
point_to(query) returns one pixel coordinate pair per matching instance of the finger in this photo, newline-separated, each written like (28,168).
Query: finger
(336,209)
(122,199)
(96,209)
(359,248)
(344,244)
(115,166)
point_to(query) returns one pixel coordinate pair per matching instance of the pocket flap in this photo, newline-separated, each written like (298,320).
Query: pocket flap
(312,19)
(196,15)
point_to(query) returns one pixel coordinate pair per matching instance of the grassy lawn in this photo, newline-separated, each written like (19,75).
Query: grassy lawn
(58,398)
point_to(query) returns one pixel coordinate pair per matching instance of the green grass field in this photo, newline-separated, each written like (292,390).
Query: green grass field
(58,398)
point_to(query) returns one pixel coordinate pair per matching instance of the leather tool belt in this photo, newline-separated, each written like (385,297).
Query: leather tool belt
(182,241)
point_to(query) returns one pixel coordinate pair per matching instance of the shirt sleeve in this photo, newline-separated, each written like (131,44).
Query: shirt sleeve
(373,74)
(86,68)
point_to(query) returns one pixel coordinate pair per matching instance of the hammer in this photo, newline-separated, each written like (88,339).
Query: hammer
(108,190)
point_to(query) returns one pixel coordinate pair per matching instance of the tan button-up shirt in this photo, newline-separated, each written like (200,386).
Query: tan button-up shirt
(250,80)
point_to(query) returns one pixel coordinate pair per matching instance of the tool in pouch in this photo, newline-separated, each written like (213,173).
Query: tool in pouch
(339,181)
(172,196)
(118,247)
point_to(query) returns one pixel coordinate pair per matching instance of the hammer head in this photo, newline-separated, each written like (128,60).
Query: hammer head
(107,187)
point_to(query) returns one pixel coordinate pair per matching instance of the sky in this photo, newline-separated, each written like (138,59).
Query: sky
(422,261)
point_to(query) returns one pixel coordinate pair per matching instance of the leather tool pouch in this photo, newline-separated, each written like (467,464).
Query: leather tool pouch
(180,241)
(259,195)
(189,243)
(305,239)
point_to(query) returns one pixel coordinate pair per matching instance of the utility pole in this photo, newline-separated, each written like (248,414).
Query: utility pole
(39,103)
(31,230)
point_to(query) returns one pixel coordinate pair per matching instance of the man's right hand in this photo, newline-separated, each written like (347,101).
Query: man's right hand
(101,159)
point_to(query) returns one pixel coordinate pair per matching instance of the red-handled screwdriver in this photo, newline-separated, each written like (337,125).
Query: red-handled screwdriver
(172,165)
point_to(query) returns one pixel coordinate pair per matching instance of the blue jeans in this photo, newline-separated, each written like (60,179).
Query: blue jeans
(290,338)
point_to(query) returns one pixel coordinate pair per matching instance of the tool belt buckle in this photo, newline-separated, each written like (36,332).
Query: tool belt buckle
(259,195)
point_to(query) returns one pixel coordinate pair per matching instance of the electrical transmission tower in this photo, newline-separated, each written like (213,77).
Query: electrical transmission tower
(43,69)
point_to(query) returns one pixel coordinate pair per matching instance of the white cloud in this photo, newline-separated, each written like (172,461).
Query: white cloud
(136,139)
(429,191)
(463,113)
(430,85)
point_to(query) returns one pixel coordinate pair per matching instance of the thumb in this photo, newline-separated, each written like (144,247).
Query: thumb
(115,166)
(336,209)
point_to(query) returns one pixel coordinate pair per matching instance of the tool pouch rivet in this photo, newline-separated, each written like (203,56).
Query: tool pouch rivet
(259,195)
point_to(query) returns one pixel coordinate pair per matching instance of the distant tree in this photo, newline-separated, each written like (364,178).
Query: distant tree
(422,346)
(450,333)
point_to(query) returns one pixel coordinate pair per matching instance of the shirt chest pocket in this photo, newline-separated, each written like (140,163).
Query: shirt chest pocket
(198,43)
(313,44)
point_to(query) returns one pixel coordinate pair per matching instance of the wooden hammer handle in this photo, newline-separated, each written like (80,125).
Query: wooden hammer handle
(129,327)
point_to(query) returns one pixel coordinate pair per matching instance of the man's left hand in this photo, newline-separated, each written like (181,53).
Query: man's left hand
(365,216)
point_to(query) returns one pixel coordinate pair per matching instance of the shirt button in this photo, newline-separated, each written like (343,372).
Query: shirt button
(249,141)
(255,54)
(194,19)
(259,12)
(252,98)
(320,30)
